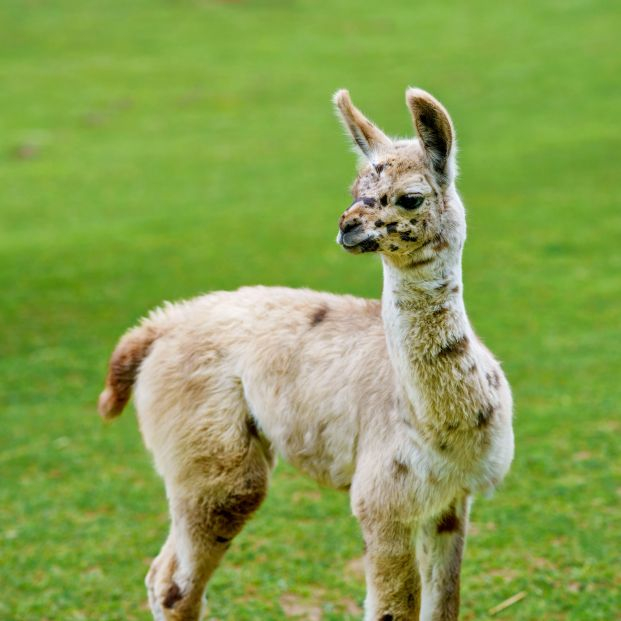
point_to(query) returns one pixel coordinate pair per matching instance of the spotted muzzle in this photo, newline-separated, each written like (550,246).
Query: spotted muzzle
(353,235)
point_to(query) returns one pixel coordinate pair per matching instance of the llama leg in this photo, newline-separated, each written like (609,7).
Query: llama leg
(164,564)
(440,544)
(205,518)
(393,583)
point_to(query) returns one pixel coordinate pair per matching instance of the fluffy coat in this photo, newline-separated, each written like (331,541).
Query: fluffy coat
(398,403)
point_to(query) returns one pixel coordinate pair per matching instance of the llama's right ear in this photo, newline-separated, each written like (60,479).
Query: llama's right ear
(368,138)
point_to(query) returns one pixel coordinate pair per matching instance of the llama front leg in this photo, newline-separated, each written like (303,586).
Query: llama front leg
(439,550)
(393,583)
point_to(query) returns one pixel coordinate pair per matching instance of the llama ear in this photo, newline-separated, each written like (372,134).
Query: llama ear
(368,138)
(435,131)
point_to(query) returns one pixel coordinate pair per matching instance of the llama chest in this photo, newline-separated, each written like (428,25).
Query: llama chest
(419,478)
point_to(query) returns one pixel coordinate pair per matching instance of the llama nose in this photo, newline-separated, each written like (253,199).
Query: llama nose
(348,227)
(352,233)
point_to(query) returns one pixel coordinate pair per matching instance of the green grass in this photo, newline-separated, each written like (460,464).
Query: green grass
(156,149)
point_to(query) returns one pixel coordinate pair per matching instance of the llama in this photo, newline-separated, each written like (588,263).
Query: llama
(397,402)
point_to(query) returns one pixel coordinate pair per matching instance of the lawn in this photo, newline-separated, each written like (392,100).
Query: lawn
(157,149)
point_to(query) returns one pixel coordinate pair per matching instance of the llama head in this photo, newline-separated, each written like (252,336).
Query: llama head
(405,203)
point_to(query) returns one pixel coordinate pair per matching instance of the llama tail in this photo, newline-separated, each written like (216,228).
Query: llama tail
(125,361)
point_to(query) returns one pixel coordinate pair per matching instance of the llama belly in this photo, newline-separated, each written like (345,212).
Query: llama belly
(325,458)
(321,444)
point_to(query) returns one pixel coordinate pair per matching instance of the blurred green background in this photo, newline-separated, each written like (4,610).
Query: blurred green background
(157,149)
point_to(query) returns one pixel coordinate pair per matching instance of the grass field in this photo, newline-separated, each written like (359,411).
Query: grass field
(157,149)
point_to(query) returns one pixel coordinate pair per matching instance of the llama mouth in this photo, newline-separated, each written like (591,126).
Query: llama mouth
(355,242)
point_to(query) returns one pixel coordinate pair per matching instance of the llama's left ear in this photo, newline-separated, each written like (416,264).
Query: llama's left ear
(435,131)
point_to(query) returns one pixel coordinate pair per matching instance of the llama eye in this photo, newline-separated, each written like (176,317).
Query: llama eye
(410,201)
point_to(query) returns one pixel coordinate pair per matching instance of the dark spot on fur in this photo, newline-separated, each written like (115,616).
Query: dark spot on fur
(413,221)
(455,347)
(220,539)
(173,595)
(455,289)
(405,236)
(448,522)
(369,245)
(433,480)
(252,427)
(368,201)
(493,379)
(379,223)
(379,168)
(440,243)
(391,227)
(421,262)
(443,446)
(441,311)
(318,315)
(442,286)
(394,247)
(472,368)
(384,200)
(228,517)
(387,618)
(484,416)
(400,470)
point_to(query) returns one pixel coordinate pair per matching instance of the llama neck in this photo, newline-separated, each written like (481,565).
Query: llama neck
(429,336)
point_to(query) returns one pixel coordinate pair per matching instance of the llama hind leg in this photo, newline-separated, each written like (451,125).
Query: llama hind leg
(204,522)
